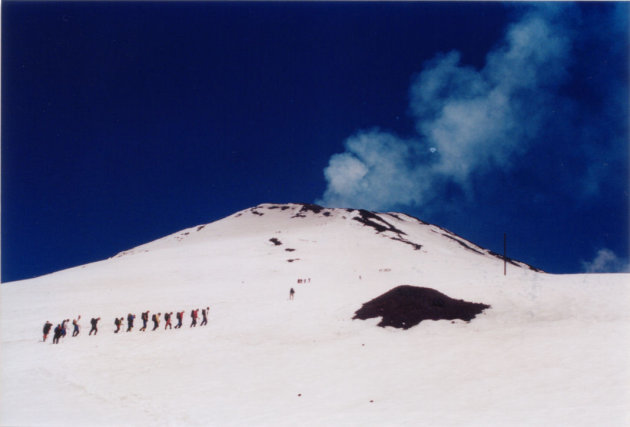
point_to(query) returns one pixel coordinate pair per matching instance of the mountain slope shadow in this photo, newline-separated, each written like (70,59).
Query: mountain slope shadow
(406,306)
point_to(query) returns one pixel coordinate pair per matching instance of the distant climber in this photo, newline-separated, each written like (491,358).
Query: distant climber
(156,321)
(145,318)
(291,293)
(46,330)
(180,317)
(204,314)
(57,334)
(94,323)
(167,319)
(75,324)
(118,322)
(63,328)
(194,314)
(130,319)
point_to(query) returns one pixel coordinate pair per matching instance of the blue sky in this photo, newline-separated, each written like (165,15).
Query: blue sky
(124,122)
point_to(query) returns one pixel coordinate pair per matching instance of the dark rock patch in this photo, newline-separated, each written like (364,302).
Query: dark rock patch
(281,207)
(518,264)
(410,216)
(416,246)
(463,244)
(508,259)
(275,241)
(289,249)
(292,260)
(255,212)
(309,207)
(375,221)
(201,227)
(406,306)
(370,219)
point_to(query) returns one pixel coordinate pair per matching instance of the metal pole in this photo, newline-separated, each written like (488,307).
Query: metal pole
(504,254)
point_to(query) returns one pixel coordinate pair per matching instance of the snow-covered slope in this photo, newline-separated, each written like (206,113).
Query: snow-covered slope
(551,350)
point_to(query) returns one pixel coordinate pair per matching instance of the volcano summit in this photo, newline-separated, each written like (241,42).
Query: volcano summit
(549,349)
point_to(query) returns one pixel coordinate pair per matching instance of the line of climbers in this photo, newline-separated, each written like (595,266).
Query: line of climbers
(60,330)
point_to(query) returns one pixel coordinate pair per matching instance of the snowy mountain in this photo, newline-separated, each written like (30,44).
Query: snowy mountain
(539,349)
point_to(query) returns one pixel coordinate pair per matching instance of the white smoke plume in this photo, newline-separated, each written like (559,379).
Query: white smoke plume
(606,261)
(467,121)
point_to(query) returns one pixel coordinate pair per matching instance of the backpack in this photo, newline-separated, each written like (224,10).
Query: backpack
(154,318)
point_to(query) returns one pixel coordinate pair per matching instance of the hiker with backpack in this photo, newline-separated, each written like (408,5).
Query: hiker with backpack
(63,328)
(57,334)
(156,321)
(75,324)
(167,318)
(180,318)
(145,318)
(46,329)
(94,323)
(130,319)
(118,323)
(193,315)
(204,313)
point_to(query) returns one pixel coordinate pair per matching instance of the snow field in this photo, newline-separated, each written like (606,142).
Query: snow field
(552,350)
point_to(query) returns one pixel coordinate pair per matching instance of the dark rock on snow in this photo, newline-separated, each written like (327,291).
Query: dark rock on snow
(371,219)
(406,306)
